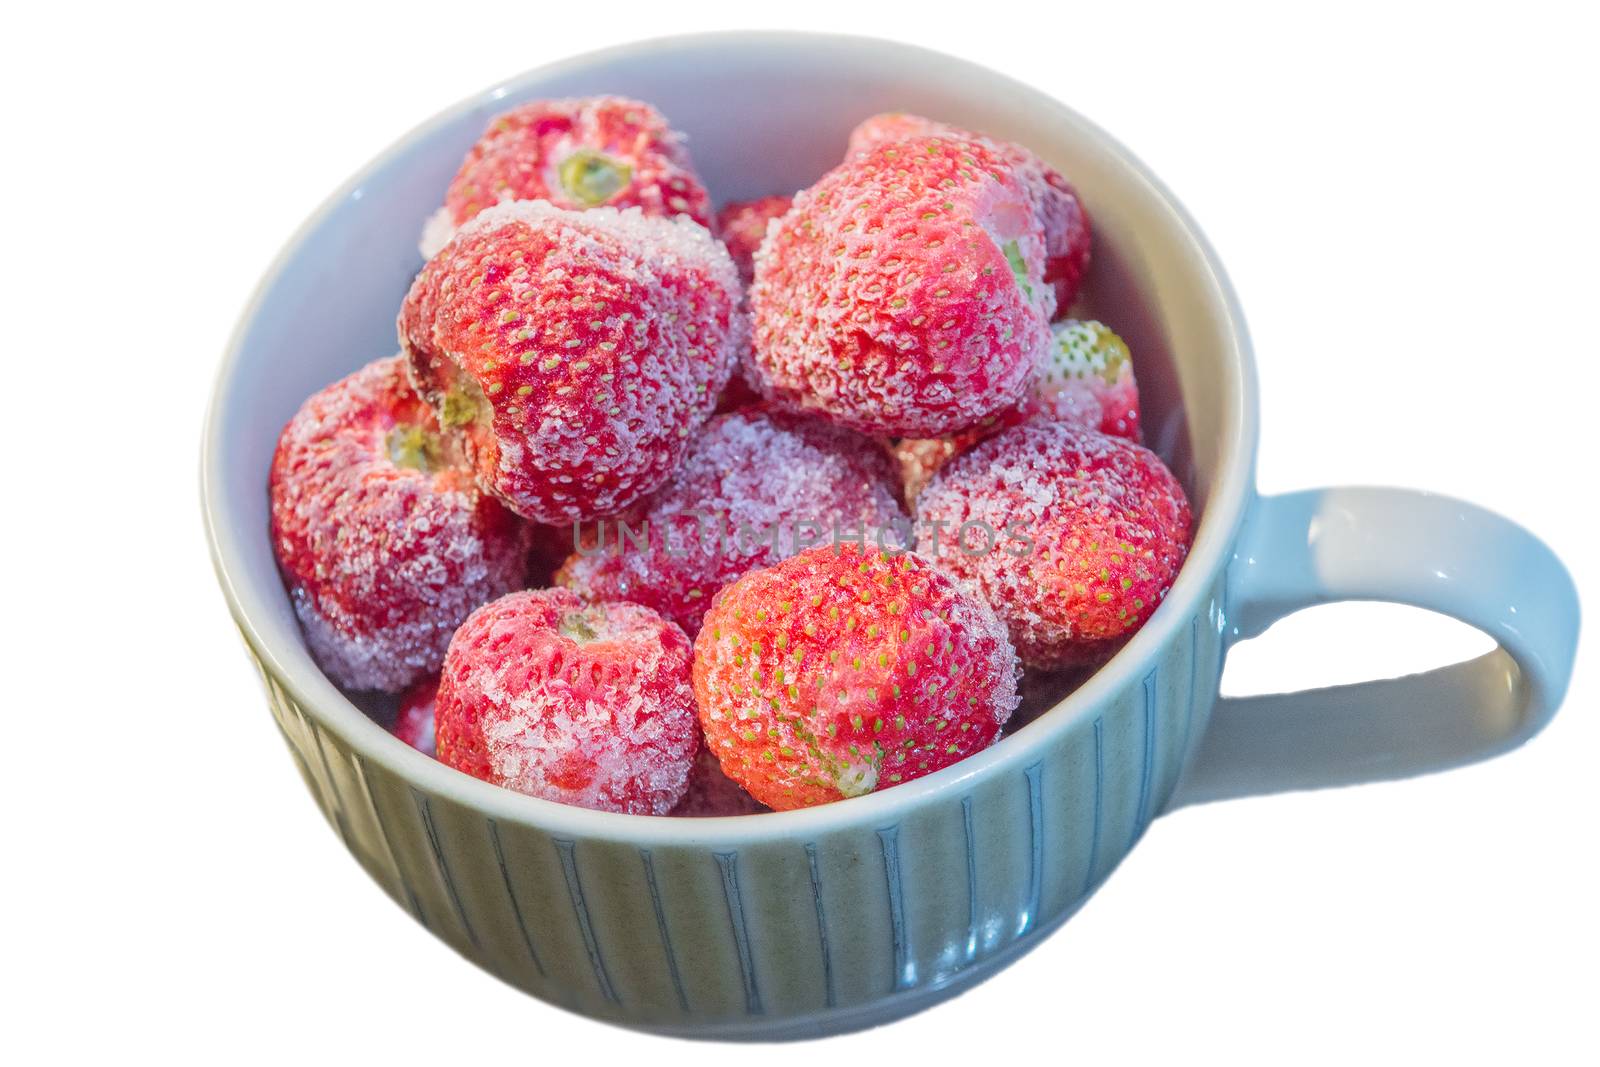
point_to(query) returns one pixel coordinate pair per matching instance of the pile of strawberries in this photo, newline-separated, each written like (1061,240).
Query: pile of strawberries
(662,511)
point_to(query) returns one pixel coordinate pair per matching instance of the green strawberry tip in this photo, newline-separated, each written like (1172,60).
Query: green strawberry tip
(591,178)
(413,448)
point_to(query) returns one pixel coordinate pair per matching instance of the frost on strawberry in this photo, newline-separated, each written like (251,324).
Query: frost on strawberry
(904,293)
(384,541)
(755,487)
(1060,212)
(839,672)
(572,355)
(597,151)
(1087,380)
(1106,527)
(584,704)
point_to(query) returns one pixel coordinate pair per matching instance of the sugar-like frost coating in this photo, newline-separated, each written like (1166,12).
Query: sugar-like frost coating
(589,705)
(1086,380)
(576,153)
(840,672)
(904,293)
(1060,212)
(573,354)
(383,540)
(756,486)
(1099,528)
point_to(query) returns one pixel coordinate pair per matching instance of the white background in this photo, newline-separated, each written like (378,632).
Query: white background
(1407,204)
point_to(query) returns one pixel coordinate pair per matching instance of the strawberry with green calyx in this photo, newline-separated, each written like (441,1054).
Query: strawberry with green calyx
(595,151)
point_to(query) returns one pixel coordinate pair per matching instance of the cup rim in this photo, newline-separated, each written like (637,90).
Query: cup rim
(290,665)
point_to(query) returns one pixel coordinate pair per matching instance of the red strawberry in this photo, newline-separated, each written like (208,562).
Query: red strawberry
(582,153)
(738,502)
(1087,381)
(898,126)
(384,541)
(903,293)
(573,354)
(1075,536)
(742,226)
(581,704)
(413,723)
(1061,214)
(839,671)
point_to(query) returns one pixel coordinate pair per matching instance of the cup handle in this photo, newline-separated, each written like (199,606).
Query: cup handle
(1408,547)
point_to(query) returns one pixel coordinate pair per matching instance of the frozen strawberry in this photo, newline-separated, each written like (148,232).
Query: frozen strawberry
(413,723)
(383,539)
(840,671)
(582,704)
(742,226)
(1061,214)
(582,153)
(756,486)
(573,354)
(897,126)
(712,793)
(903,293)
(1087,380)
(1072,535)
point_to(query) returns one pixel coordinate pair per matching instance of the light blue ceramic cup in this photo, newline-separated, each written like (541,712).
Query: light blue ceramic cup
(808,922)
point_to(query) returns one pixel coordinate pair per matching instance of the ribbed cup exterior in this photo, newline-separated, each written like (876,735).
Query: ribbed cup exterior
(781,936)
